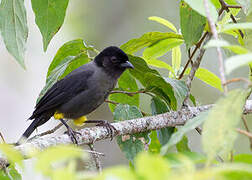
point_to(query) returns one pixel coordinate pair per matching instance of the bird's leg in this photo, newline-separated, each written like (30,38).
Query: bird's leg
(110,128)
(71,133)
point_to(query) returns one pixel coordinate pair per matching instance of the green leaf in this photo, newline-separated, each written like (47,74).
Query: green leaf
(152,166)
(55,154)
(117,173)
(218,137)
(192,24)
(243,158)
(12,174)
(70,56)
(159,107)
(159,64)
(125,83)
(236,26)
(155,145)
(198,6)
(222,43)
(237,61)
(146,40)
(164,22)
(209,78)
(189,125)
(13,27)
(130,145)
(152,81)
(182,145)
(49,17)
(12,154)
(176,59)
(180,89)
(175,158)
(161,48)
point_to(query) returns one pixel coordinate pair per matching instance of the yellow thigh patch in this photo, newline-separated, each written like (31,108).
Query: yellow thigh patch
(80,121)
(58,115)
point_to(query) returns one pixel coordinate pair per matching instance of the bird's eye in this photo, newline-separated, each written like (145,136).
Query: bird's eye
(114,59)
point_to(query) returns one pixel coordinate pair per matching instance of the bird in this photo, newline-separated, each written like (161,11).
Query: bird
(81,92)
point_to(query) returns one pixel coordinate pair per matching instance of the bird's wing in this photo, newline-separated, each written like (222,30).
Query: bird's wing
(62,91)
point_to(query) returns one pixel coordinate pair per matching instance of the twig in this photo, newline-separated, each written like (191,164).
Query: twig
(244,133)
(46,132)
(237,80)
(2,137)
(197,46)
(215,36)
(225,6)
(128,93)
(247,129)
(96,159)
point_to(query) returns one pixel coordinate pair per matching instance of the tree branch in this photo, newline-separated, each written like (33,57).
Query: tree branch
(93,134)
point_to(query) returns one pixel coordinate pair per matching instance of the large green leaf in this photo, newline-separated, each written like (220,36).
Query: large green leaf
(182,145)
(152,81)
(125,83)
(159,64)
(189,125)
(219,128)
(146,40)
(13,27)
(159,107)
(154,146)
(161,48)
(49,16)
(222,43)
(243,158)
(237,61)
(70,56)
(198,5)
(176,59)
(130,145)
(192,24)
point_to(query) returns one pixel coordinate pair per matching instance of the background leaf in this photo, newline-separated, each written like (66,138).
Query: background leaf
(146,40)
(198,6)
(161,48)
(237,61)
(49,16)
(218,130)
(13,26)
(192,24)
(11,154)
(189,125)
(164,22)
(131,145)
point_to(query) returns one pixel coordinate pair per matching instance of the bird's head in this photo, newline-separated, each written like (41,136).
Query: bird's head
(113,60)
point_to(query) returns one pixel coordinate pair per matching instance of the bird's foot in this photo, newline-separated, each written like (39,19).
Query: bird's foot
(110,128)
(72,134)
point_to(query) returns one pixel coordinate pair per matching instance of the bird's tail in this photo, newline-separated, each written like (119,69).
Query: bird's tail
(35,123)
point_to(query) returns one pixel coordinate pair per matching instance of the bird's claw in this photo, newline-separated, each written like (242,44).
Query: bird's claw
(72,134)
(110,128)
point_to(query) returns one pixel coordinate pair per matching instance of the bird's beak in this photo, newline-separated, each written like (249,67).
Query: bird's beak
(127,64)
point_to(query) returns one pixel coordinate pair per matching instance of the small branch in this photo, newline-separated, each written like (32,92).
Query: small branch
(46,132)
(2,137)
(96,158)
(247,129)
(128,93)
(237,80)
(215,36)
(244,133)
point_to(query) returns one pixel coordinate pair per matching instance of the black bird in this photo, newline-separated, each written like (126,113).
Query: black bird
(81,92)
